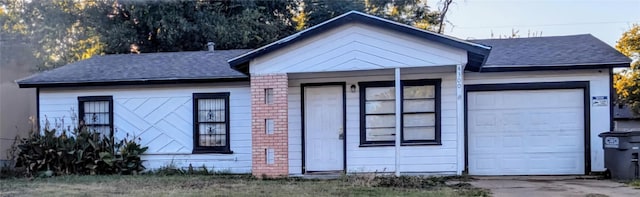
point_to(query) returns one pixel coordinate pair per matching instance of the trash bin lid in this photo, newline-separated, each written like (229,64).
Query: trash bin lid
(619,134)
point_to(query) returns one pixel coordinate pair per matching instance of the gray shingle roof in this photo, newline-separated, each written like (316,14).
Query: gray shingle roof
(574,50)
(541,53)
(146,67)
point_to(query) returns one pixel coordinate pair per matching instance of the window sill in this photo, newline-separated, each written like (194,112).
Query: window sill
(205,151)
(375,145)
(404,144)
(421,144)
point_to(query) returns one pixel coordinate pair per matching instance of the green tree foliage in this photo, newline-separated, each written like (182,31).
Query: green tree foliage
(627,82)
(54,27)
(156,26)
(63,31)
(411,12)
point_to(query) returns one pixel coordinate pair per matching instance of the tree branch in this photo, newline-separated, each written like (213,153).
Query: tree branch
(443,13)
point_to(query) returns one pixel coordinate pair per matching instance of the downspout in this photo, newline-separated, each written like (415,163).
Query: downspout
(37,118)
(460,122)
(398,119)
(611,100)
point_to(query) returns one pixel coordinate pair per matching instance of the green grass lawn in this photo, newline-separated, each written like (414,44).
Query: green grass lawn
(223,185)
(635,184)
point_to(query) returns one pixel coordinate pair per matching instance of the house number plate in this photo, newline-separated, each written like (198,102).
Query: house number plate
(611,142)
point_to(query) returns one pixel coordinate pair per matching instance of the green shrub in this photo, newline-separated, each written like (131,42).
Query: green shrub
(172,169)
(168,170)
(386,180)
(409,181)
(51,152)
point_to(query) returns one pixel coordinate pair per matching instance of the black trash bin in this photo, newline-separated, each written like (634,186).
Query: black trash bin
(621,151)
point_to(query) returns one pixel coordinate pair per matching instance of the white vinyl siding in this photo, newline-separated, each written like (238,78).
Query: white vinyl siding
(162,116)
(357,46)
(435,159)
(432,159)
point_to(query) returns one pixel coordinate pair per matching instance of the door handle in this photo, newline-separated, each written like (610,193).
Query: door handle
(341,134)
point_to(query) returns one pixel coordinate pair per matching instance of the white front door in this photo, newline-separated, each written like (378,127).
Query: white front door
(323,127)
(526,132)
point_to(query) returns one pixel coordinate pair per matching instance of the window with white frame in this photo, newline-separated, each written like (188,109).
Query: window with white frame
(420,112)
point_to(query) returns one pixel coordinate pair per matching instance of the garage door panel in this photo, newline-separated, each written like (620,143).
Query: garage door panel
(527,99)
(532,132)
(485,164)
(485,119)
(482,101)
(535,120)
(485,142)
(554,161)
(515,164)
(511,142)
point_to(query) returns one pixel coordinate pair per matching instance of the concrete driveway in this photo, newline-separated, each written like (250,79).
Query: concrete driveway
(552,186)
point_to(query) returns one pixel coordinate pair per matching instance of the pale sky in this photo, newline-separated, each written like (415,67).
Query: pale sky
(605,19)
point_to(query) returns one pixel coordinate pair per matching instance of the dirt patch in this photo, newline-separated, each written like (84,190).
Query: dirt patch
(556,189)
(538,180)
(596,195)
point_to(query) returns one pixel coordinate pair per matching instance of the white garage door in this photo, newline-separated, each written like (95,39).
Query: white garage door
(526,132)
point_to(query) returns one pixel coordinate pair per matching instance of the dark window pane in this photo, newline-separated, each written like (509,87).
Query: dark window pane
(426,91)
(380,93)
(268,95)
(211,110)
(381,134)
(213,134)
(102,130)
(417,120)
(419,133)
(419,105)
(376,107)
(96,118)
(380,121)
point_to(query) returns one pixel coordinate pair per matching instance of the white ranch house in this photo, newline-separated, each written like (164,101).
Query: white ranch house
(354,94)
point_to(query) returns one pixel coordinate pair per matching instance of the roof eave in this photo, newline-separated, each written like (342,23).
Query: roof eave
(130,82)
(626,118)
(554,67)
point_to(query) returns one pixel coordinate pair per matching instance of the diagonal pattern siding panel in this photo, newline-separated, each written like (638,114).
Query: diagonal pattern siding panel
(161,116)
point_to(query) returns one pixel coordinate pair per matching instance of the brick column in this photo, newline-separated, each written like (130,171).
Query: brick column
(264,144)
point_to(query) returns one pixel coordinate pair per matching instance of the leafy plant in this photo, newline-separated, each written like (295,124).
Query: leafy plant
(126,159)
(51,152)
